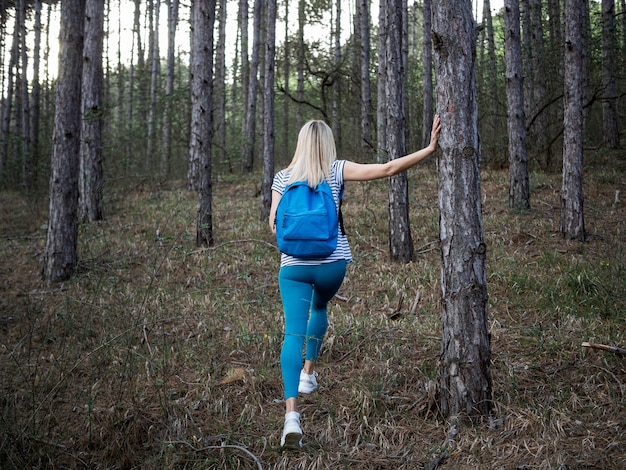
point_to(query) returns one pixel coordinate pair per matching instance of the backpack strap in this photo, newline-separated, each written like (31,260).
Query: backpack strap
(340,214)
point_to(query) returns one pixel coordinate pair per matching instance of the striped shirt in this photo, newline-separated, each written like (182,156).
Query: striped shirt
(342,252)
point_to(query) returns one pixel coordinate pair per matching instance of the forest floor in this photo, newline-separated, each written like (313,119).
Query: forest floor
(158,354)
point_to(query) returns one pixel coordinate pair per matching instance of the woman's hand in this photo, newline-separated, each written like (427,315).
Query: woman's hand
(434,133)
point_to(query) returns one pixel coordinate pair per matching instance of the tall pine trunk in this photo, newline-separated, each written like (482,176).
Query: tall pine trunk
(300,83)
(337,89)
(465,374)
(610,124)
(287,88)
(400,240)
(245,74)
(8,102)
(539,119)
(491,67)
(31,170)
(366,94)
(427,72)
(91,172)
(219,91)
(172,22)
(155,72)
(253,88)
(60,255)
(519,195)
(268,118)
(572,213)
(203,20)
(23,107)
(381,107)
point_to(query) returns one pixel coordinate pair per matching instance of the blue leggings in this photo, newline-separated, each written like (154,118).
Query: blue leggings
(304,289)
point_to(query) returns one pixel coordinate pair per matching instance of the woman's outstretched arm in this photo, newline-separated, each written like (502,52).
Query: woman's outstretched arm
(364,172)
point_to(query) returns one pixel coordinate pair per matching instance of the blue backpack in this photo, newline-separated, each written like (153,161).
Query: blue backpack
(307,221)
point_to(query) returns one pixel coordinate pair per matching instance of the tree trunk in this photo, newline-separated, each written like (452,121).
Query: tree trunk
(300,85)
(106,75)
(219,91)
(260,112)
(3,34)
(23,120)
(286,76)
(400,240)
(154,56)
(245,76)
(337,92)
(427,69)
(253,87)
(121,116)
(381,124)
(623,17)
(492,79)
(527,61)
(609,59)
(172,22)
(60,255)
(539,128)
(366,93)
(31,170)
(48,98)
(268,120)
(572,214)
(91,173)
(465,374)
(519,193)
(7,103)
(203,20)
(554,25)
(554,66)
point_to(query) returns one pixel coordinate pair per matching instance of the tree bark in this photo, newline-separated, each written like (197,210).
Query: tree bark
(7,103)
(31,170)
(527,60)
(286,76)
(400,240)
(250,132)
(427,69)
(60,255)
(219,91)
(91,172)
(268,121)
(172,22)
(539,128)
(337,88)
(465,374)
(23,104)
(381,124)
(366,93)
(245,76)
(572,212)
(154,56)
(623,17)
(492,79)
(519,193)
(610,124)
(203,20)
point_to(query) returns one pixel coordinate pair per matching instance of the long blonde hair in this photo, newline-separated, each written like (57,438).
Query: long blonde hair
(314,155)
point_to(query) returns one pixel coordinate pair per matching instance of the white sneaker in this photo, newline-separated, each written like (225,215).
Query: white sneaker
(308,382)
(292,433)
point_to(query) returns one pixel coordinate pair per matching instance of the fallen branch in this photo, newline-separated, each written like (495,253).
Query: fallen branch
(604,347)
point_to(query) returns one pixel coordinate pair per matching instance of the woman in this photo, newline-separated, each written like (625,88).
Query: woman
(306,286)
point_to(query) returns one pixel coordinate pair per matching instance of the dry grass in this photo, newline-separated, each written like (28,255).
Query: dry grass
(161,355)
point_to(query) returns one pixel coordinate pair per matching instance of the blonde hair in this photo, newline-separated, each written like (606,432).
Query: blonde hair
(314,155)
